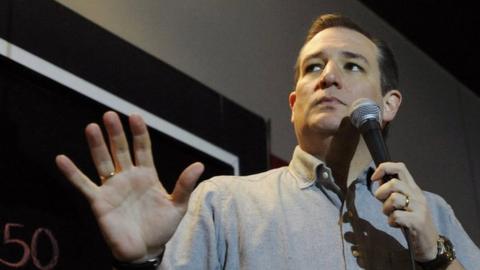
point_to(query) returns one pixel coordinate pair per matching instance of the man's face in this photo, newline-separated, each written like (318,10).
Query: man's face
(337,67)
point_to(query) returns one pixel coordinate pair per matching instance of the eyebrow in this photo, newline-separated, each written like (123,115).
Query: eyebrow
(352,55)
(346,54)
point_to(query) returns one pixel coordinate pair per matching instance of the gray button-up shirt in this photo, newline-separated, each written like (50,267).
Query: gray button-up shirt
(296,217)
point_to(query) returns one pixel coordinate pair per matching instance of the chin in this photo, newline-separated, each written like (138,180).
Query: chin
(326,121)
(325,127)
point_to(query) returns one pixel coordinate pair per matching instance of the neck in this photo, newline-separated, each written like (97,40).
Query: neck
(345,153)
(359,161)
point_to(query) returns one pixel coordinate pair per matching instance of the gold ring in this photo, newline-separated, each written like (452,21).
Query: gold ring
(407,202)
(110,175)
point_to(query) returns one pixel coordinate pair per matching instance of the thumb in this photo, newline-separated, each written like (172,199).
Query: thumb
(186,182)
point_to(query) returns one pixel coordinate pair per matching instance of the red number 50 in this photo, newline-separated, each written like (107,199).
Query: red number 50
(26,250)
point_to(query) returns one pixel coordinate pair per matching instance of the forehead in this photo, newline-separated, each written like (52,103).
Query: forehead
(339,39)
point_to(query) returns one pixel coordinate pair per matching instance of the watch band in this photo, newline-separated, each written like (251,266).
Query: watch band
(445,255)
(151,264)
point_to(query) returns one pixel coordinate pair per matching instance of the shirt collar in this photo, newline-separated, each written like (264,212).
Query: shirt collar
(305,168)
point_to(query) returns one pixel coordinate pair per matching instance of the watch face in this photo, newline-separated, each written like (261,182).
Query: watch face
(447,248)
(441,245)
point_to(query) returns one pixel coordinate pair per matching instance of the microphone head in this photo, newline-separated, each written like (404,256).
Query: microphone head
(364,109)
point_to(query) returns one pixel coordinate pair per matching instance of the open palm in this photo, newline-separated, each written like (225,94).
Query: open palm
(135,213)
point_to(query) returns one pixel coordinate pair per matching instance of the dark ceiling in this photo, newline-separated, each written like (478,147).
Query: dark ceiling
(445,30)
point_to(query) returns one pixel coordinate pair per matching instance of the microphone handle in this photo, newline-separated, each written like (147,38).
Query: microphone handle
(372,135)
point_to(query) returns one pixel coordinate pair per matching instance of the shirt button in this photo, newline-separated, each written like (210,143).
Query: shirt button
(325,175)
(355,253)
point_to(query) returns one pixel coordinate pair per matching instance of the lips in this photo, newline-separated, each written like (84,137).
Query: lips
(328,100)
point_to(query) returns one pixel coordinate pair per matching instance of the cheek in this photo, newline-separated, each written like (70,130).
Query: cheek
(299,105)
(364,89)
(301,95)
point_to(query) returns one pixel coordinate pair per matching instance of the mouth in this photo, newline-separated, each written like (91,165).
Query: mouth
(328,101)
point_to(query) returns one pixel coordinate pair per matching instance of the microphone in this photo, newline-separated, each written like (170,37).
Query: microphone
(366,115)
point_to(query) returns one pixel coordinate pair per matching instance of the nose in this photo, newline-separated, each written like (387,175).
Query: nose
(330,77)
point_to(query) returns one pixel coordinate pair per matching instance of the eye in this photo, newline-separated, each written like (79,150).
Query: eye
(313,68)
(353,67)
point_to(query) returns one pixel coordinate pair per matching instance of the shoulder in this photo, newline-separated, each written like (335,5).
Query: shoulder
(228,186)
(224,181)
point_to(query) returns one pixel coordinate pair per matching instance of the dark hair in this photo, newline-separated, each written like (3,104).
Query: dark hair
(386,60)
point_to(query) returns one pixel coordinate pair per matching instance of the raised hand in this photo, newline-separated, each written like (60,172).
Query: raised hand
(134,212)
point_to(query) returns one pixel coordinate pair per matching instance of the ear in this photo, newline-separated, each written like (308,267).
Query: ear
(291,100)
(391,103)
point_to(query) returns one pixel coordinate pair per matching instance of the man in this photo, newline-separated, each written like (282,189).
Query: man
(327,210)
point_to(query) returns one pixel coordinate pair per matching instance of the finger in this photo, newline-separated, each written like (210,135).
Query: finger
(99,151)
(118,141)
(76,177)
(394,185)
(396,201)
(391,168)
(141,141)
(400,218)
(186,183)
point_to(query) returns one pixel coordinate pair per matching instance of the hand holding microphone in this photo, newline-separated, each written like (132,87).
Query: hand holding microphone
(403,201)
